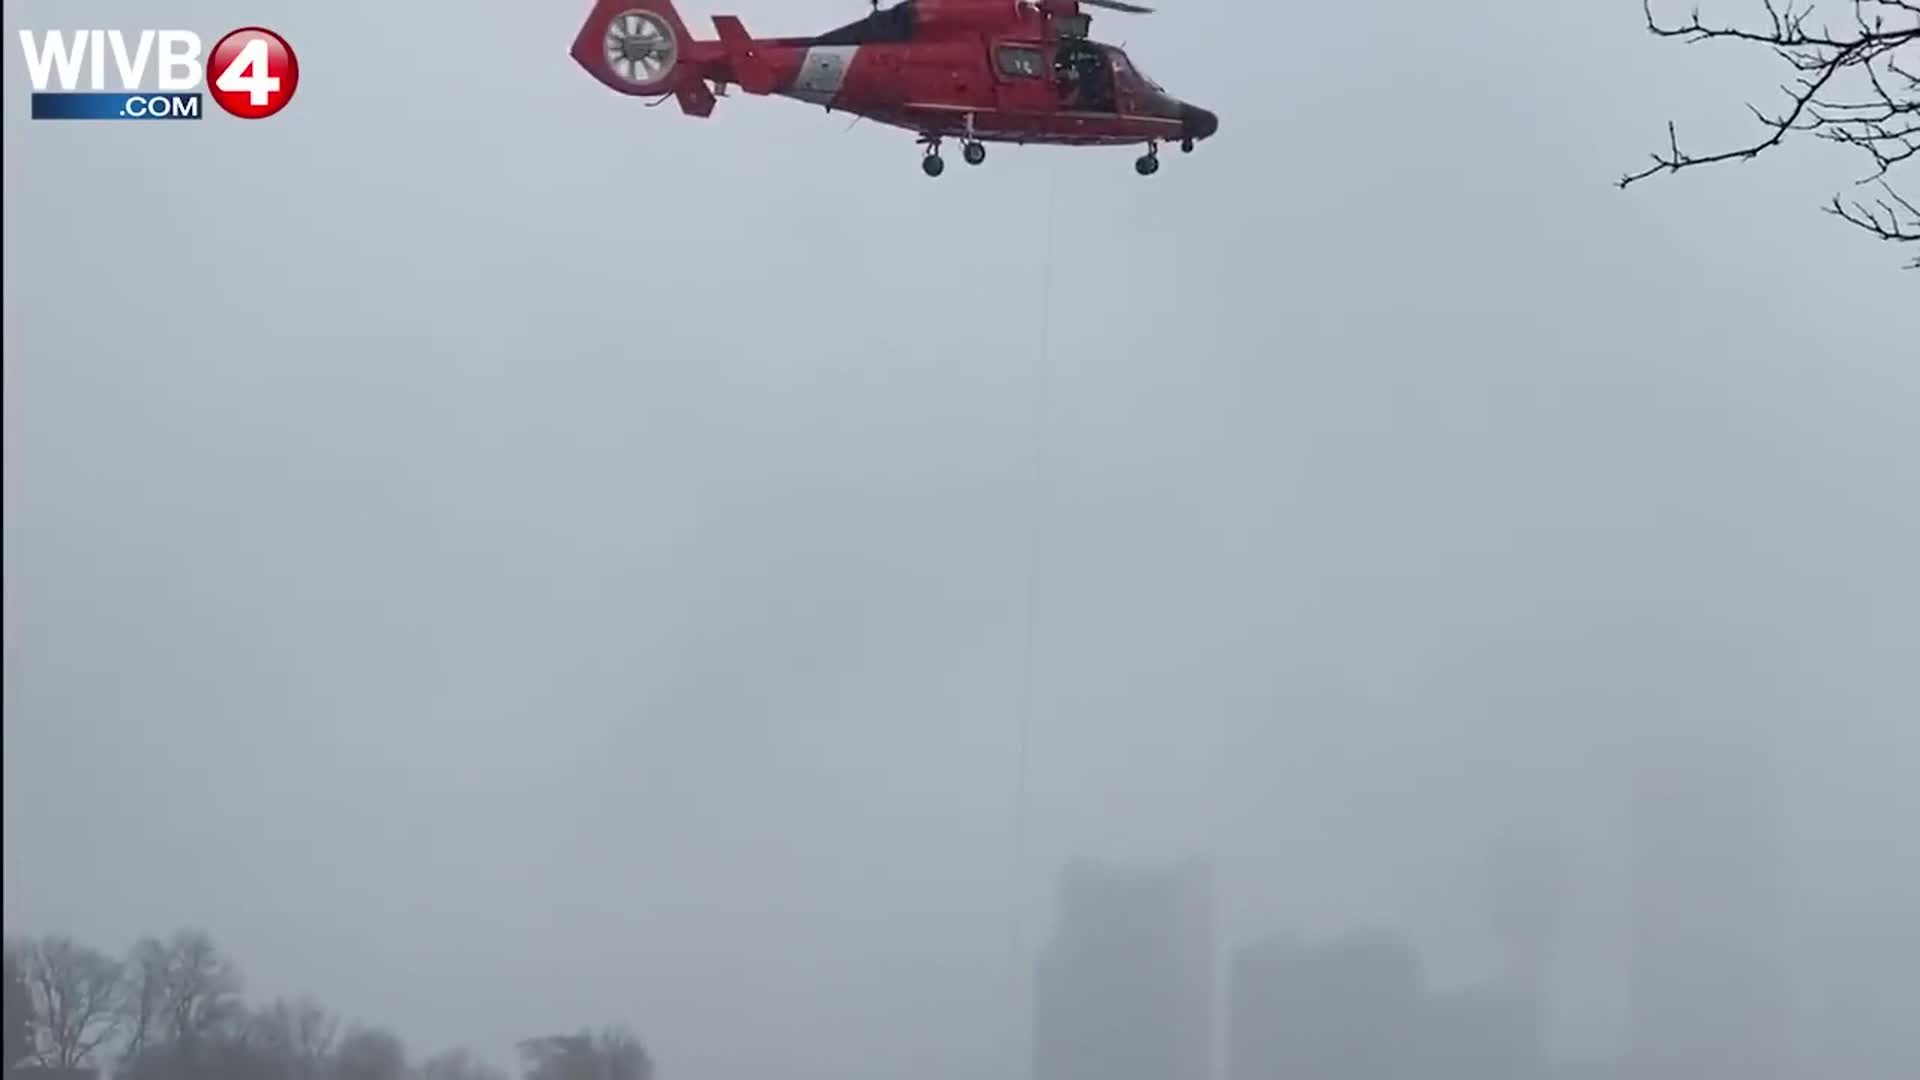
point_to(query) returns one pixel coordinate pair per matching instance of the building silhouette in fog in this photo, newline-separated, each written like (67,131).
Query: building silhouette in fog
(1525,897)
(1711,986)
(1359,1007)
(1123,989)
(1485,1032)
(1347,1009)
(1867,1023)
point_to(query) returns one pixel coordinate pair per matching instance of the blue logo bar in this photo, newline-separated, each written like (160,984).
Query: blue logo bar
(134,106)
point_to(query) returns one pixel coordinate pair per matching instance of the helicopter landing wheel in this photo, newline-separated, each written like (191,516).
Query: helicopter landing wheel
(1147,165)
(931,162)
(972,149)
(1186,145)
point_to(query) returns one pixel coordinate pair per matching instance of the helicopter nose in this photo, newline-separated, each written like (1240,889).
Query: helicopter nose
(1197,123)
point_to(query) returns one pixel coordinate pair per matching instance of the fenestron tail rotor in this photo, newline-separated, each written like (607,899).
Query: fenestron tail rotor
(640,46)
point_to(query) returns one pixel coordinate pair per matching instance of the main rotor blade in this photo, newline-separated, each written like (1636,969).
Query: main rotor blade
(1119,5)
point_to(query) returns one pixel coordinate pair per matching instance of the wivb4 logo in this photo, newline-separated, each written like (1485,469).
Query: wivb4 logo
(251,73)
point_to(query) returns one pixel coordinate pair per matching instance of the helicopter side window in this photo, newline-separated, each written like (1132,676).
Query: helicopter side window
(1087,76)
(1021,61)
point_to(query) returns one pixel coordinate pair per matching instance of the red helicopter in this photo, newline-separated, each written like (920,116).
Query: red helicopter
(980,71)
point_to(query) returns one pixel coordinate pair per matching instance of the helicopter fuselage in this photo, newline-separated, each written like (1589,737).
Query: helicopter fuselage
(976,70)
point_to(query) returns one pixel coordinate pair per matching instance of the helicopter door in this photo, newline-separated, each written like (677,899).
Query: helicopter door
(1086,75)
(1020,77)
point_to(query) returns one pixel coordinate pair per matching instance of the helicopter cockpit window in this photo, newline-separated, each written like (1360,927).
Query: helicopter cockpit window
(1124,67)
(1023,61)
(892,25)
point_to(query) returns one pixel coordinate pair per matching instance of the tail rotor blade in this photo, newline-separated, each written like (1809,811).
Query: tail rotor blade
(1119,5)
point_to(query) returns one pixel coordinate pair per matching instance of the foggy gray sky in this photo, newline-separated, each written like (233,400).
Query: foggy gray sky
(488,621)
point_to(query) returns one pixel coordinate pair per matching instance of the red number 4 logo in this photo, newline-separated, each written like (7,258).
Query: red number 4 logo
(254,73)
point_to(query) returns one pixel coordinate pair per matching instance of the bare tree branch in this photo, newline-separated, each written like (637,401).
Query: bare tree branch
(75,997)
(1857,87)
(299,1034)
(19,1012)
(180,1000)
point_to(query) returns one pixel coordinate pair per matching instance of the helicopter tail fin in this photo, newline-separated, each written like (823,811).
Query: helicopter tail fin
(643,48)
(750,68)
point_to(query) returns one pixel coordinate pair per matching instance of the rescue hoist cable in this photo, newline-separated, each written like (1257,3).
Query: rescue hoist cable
(1036,503)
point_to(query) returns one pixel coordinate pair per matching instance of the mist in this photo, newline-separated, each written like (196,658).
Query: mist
(1461,619)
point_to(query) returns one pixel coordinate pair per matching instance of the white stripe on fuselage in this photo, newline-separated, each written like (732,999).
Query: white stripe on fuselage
(821,72)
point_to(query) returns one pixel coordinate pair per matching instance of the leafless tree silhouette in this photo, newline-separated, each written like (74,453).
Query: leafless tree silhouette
(74,997)
(1857,86)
